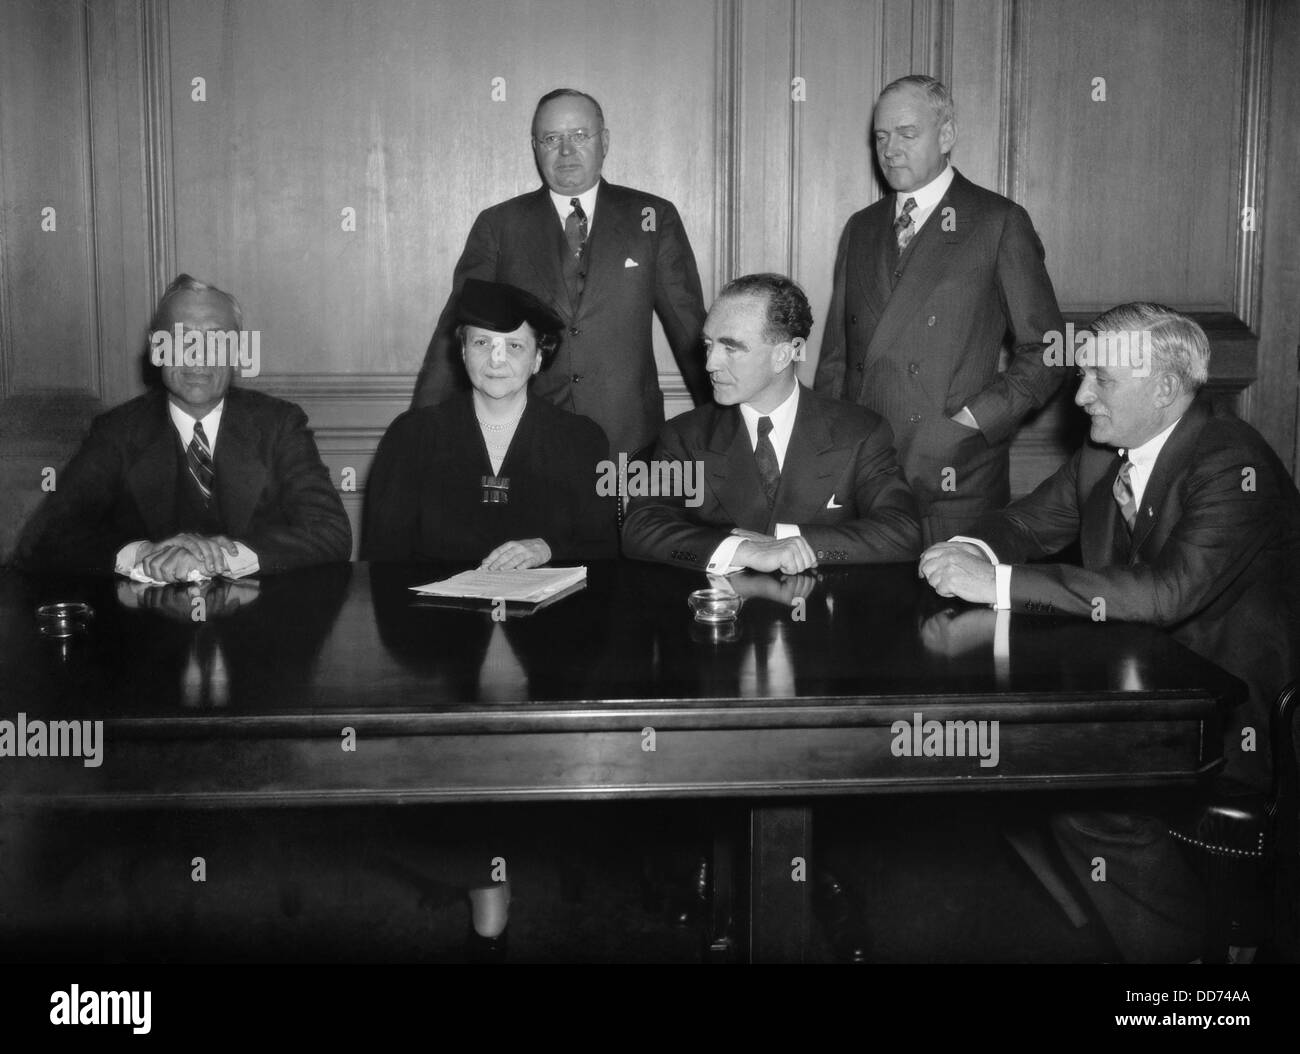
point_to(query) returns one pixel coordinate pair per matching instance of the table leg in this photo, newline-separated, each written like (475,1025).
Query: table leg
(780,890)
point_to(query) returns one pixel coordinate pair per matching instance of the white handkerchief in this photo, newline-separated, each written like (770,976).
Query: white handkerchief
(629,262)
(831,504)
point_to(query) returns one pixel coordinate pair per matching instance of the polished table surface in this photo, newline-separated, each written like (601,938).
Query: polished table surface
(612,692)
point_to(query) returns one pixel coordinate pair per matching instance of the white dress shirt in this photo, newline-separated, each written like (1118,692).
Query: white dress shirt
(244,562)
(1143,459)
(927,197)
(587,199)
(782,428)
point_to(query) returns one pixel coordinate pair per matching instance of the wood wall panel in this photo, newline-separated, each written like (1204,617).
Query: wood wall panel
(388,109)
(1135,197)
(50,329)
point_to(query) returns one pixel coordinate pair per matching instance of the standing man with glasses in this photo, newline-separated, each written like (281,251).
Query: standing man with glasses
(605,258)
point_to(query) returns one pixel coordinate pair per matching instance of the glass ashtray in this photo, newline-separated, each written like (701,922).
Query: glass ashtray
(63,619)
(714,605)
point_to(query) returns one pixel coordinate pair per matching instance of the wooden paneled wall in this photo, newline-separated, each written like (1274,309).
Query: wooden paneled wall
(227,139)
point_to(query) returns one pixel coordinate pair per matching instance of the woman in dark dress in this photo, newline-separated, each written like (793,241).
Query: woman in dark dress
(495,477)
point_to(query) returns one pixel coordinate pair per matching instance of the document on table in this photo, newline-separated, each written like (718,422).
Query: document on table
(532,586)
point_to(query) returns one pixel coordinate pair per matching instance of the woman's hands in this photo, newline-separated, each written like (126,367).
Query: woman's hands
(517,555)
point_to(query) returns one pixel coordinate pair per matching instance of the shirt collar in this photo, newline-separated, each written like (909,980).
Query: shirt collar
(587,198)
(928,196)
(184,423)
(782,417)
(1144,456)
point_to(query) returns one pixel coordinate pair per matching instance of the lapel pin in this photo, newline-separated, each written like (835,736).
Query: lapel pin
(629,262)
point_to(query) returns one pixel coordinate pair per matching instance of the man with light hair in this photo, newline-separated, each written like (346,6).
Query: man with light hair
(196,479)
(1186,520)
(930,281)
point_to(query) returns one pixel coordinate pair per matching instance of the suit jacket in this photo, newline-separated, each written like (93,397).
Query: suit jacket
(1214,556)
(920,353)
(838,453)
(424,494)
(605,368)
(271,489)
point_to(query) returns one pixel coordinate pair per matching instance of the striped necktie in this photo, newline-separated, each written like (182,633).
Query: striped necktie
(198,458)
(575,228)
(769,470)
(1123,491)
(904,228)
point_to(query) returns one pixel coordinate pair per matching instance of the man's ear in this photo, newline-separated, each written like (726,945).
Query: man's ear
(537,362)
(948,136)
(1168,389)
(789,351)
(604,142)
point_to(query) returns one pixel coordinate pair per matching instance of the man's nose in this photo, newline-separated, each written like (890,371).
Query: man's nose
(712,360)
(1085,394)
(566,146)
(498,351)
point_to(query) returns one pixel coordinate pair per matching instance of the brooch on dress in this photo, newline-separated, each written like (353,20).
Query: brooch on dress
(496,490)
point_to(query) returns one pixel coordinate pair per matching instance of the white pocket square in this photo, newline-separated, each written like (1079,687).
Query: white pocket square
(629,262)
(832,505)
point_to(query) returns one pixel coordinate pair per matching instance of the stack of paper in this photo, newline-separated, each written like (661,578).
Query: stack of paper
(533,586)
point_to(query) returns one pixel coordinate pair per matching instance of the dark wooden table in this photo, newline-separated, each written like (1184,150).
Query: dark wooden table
(251,706)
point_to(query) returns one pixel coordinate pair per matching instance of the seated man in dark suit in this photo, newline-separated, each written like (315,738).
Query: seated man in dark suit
(1186,520)
(194,480)
(791,479)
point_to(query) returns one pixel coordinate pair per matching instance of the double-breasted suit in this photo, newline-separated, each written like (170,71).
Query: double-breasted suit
(637,263)
(916,337)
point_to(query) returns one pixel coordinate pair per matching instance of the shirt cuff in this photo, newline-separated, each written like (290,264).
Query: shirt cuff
(720,561)
(788,530)
(242,564)
(981,546)
(1002,583)
(126,558)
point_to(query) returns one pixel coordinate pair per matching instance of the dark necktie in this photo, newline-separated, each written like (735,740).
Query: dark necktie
(575,227)
(769,470)
(904,228)
(1123,491)
(198,457)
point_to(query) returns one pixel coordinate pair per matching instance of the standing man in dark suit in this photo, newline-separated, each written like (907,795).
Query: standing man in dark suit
(196,479)
(1186,520)
(928,282)
(605,258)
(791,479)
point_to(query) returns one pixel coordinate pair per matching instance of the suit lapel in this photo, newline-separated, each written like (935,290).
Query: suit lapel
(932,254)
(151,478)
(873,276)
(240,473)
(812,464)
(540,234)
(1102,533)
(607,248)
(733,472)
(1173,459)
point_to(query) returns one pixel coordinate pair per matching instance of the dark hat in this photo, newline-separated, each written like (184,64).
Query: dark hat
(503,308)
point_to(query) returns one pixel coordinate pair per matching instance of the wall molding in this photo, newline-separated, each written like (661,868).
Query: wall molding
(1256,62)
(155,49)
(727,92)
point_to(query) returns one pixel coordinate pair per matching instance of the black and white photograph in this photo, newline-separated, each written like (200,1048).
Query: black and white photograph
(650,482)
